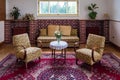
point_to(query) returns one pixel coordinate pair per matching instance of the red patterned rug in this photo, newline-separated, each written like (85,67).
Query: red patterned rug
(47,69)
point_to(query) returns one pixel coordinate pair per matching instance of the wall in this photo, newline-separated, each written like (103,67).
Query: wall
(114,30)
(30,6)
(1,31)
(114,10)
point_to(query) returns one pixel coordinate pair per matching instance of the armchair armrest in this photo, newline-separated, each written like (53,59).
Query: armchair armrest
(76,44)
(93,49)
(24,50)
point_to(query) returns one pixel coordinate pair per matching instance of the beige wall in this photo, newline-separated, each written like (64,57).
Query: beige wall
(114,13)
(115,32)
(30,6)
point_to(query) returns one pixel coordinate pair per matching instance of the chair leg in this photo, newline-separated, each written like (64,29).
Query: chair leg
(26,65)
(16,60)
(76,61)
(39,57)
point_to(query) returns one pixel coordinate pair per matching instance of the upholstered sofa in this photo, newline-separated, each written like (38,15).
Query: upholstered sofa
(47,35)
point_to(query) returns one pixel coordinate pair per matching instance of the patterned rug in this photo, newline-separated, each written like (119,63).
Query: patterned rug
(47,69)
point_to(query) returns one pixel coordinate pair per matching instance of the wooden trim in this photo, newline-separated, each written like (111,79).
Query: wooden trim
(1,43)
(115,20)
(2,9)
(115,46)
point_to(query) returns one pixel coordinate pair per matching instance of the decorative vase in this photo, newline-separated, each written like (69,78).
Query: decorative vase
(58,40)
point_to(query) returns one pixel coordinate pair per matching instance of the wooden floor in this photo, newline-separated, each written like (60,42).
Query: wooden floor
(6,49)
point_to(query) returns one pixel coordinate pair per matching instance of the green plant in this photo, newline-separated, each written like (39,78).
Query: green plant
(28,17)
(15,13)
(92,13)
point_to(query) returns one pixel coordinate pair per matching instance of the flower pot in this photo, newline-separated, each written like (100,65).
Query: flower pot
(92,15)
(15,17)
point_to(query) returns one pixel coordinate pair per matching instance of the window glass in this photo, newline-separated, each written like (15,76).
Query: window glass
(57,7)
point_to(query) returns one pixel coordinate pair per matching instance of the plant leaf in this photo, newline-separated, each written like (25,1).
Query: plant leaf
(89,8)
(94,5)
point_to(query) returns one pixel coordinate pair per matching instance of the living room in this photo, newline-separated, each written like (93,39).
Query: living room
(105,24)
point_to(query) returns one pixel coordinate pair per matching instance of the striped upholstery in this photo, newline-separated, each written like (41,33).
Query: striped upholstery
(52,29)
(47,39)
(66,30)
(66,35)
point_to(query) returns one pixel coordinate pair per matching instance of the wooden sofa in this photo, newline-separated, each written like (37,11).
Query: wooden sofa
(69,35)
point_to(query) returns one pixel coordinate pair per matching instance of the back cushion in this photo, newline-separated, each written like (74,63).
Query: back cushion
(43,32)
(52,29)
(66,30)
(94,40)
(73,32)
(21,40)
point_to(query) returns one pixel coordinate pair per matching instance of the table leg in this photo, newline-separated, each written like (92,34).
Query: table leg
(54,54)
(62,52)
(65,54)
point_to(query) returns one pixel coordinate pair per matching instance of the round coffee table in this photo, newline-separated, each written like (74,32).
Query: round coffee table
(62,45)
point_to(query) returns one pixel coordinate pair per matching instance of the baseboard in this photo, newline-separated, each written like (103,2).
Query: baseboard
(114,45)
(1,43)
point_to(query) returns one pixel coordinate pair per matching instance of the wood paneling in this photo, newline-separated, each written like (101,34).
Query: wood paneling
(2,10)
(85,27)
(19,30)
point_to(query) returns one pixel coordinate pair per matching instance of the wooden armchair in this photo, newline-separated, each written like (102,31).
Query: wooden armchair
(93,51)
(23,48)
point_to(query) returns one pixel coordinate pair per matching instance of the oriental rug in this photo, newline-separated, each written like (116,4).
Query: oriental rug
(47,69)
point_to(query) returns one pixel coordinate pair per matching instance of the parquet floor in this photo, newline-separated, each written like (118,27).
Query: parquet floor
(6,49)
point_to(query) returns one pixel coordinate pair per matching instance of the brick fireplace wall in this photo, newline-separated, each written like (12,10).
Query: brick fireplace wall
(34,26)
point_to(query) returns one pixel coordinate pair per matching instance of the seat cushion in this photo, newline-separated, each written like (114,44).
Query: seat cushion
(52,29)
(86,55)
(32,53)
(47,39)
(64,38)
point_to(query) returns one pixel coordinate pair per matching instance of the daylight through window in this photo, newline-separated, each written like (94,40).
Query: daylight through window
(57,7)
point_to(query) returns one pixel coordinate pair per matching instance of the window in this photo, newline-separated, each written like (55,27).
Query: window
(57,7)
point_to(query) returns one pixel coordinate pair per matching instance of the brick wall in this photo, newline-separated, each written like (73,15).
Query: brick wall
(35,25)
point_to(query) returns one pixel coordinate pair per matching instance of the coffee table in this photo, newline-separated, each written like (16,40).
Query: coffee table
(62,45)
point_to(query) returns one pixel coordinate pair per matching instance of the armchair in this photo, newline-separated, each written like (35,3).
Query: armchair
(23,49)
(93,51)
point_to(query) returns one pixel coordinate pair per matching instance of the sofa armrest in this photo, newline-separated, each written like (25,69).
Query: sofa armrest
(40,42)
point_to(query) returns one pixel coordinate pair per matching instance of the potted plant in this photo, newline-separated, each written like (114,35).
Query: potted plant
(92,13)
(15,13)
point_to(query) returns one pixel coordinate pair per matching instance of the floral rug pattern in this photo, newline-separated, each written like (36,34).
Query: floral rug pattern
(47,69)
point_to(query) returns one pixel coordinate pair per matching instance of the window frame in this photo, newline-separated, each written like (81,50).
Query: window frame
(38,12)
